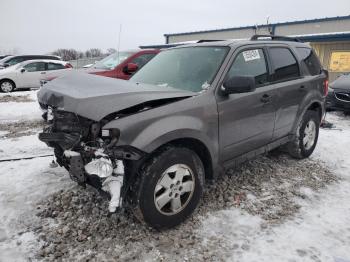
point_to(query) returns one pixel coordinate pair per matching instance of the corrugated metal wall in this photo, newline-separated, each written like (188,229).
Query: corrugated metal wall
(324,51)
(341,25)
(318,26)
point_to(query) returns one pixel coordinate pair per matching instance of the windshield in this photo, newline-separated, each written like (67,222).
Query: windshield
(112,60)
(3,61)
(190,68)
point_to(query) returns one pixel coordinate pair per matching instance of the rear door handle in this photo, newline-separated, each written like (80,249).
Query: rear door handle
(43,73)
(265,98)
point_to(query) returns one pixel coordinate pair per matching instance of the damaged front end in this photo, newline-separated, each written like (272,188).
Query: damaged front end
(89,153)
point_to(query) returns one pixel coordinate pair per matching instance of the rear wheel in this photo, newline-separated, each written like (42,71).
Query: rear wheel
(170,188)
(7,86)
(306,136)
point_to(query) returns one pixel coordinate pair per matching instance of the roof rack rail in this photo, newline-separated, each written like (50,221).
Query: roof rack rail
(275,37)
(209,40)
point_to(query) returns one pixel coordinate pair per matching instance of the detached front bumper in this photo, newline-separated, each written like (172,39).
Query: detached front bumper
(101,173)
(98,166)
(90,155)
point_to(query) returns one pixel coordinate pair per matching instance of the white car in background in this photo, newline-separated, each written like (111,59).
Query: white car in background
(29,73)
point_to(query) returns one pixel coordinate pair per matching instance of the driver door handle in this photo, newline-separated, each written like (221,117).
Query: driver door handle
(43,73)
(265,98)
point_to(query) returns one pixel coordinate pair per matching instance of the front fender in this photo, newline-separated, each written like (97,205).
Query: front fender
(148,135)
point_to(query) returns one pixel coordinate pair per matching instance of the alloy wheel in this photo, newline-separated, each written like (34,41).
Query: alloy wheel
(6,87)
(309,134)
(174,189)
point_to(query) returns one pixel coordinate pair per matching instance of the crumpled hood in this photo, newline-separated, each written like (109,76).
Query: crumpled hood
(95,97)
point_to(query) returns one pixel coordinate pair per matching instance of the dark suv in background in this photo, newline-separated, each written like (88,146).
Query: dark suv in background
(190,113)
(13,60)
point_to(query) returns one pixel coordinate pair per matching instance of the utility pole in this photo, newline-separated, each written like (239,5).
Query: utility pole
(120,33)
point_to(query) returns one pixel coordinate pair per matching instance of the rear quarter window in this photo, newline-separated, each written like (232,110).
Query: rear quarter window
(310,60)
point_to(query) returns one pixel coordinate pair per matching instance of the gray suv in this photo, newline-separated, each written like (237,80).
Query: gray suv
(193,111)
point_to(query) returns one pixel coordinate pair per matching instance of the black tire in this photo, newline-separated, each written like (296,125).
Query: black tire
(9,83)
(296,148)
(152,172)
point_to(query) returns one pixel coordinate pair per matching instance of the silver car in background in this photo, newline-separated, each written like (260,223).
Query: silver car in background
(29,73)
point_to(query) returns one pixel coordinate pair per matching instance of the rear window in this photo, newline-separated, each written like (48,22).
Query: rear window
(142,59)
(284,64)
(310,60)
(50,57)
(15,60)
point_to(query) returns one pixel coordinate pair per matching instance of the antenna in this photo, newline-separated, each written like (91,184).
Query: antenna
(268,24)
(120,33)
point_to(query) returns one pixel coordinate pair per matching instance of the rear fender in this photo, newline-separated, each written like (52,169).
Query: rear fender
(312,97)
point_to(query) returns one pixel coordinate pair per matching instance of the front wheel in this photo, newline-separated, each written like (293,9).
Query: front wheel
(306,136)
(170,188)
(6,86)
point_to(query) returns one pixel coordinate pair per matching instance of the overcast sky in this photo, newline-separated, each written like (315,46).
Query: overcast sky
(41,26)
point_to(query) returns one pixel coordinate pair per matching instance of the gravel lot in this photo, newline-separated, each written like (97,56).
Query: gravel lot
(273,208)
(77,220)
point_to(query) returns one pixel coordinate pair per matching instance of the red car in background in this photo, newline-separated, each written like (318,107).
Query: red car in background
(120,65)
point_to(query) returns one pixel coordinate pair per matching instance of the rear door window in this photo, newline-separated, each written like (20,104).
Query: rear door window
(250,63)
(142,59)
(284,64)
(55,66)
(310,60)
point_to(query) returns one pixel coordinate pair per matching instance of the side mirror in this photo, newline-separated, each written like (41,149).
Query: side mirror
(130,68)
(6,65)
(22,70)
(238,84)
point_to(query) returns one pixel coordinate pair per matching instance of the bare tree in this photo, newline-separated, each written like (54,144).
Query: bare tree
(93,52)
(67,54)
(111,50)
(13,51)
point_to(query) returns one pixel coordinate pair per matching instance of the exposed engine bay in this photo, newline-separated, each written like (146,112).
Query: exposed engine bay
(89,153)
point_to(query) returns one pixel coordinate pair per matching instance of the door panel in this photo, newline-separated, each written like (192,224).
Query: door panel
(246,120)
(31,77)
(289,96)
(290,88)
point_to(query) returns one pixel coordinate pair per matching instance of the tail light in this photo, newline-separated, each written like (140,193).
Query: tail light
(325,82)
(68,65)
(325,87)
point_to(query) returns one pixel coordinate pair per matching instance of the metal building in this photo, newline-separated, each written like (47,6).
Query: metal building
(330,37)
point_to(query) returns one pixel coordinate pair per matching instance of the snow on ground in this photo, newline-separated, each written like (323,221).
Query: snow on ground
(13,111)
(23,146)
(320,232)
(23,183)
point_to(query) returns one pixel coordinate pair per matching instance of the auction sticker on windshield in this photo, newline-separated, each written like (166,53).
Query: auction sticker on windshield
(250,55)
